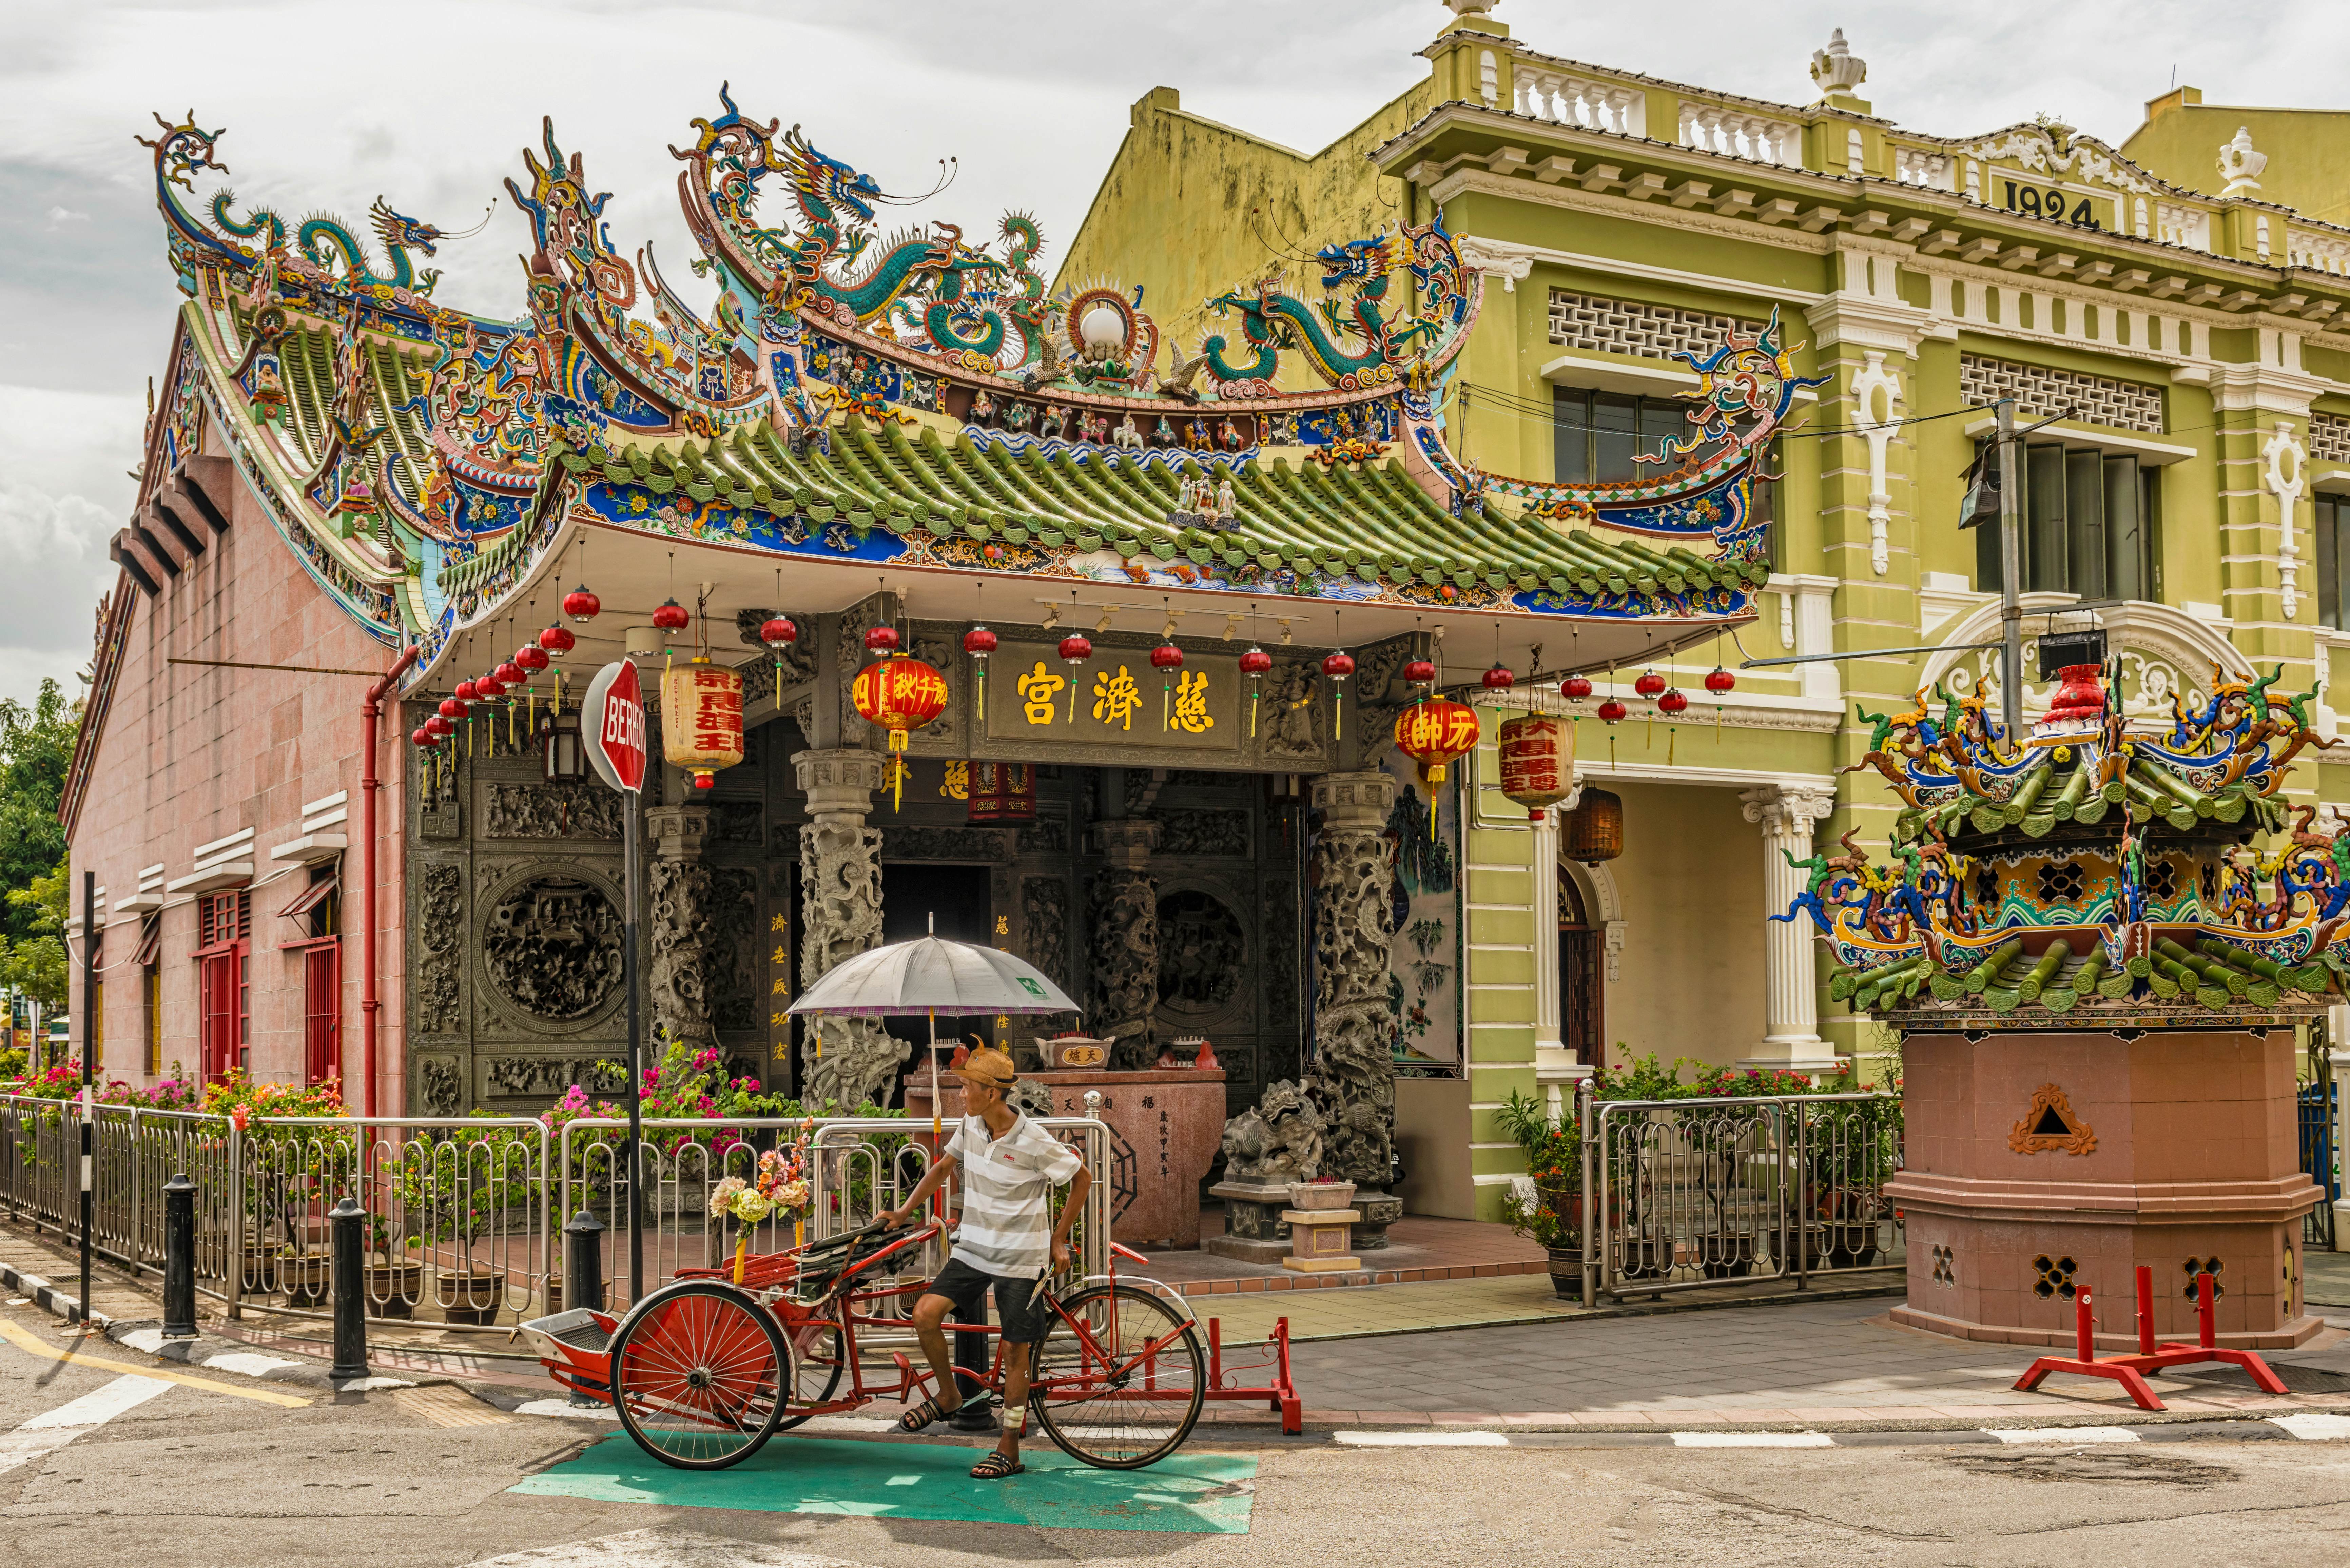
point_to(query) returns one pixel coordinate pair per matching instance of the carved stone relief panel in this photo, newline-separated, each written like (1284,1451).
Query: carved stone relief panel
(736,821)
(439,913)
(551,946)
(440,1086)
(1202,952)
(944,844)
(1126,964)
(549,811)
(547,1077)
(1192,834)
(1048,834)
(1045,926)
(733,954)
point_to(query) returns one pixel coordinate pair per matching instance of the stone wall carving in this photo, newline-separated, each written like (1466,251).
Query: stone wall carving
(733,952)
(550,811)
(1280,971)
(1044,927)
(1354,1069)
(945,844)
(1278,1140)
(679,896)
(440,914)
(1203,951)
(440,1087)
(551,946)
(548,1076)
(1048,834)
(736,821)
(840,891)
(1289,716)
(1126,964)
(1192,833)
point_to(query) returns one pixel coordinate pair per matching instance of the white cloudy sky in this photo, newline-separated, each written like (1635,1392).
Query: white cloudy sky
(429,103)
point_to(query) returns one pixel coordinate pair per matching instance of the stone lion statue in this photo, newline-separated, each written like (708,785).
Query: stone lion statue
(1280,1141)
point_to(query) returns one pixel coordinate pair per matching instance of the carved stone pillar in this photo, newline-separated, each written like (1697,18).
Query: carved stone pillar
(678,912)
(1353,1066)
(1126,943)
(1791,1012)
(840,917)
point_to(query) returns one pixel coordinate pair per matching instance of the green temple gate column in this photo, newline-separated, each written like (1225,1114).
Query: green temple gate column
(1354,1065)
(840,883)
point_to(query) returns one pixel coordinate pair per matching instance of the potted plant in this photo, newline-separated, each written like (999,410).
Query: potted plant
(1561,1243)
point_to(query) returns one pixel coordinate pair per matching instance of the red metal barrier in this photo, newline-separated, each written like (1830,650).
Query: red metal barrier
(2129,1370)
(1280,1393)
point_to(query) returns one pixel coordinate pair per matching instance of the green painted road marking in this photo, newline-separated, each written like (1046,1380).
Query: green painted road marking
(1200,1493)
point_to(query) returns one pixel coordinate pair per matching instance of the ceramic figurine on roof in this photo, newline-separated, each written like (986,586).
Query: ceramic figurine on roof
(2089,866)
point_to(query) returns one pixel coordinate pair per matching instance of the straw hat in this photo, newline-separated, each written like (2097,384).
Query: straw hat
(989,1067)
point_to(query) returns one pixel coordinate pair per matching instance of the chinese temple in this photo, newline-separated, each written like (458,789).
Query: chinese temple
(973,600)
(2099,981)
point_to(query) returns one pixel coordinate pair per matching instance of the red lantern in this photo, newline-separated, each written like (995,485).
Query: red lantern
(489,688)
(1672,701)
(880,639)
(1166,656)
(581,605)
(1499,678)
(511,674)
(1538,762)
(423,737)
(1076,648)
(705,781)
(673,616)
(467,692)
(1419,672)
(778,633)
(979,643)
(530,657)
(899,695)
(1433,733)
(1575,688)
(1255,661)
(454,708)
(1649,683)
(1720,680)
(1611,711)
(558,640)
(438,727)
(1339,664)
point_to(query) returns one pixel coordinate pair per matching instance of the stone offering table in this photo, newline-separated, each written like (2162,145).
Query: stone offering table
(1164,1130)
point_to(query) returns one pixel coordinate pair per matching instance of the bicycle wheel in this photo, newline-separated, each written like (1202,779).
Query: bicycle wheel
(1127,1392)
(816,1368)
(698,1374)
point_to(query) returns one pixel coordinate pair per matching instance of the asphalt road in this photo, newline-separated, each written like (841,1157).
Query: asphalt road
(103,1466)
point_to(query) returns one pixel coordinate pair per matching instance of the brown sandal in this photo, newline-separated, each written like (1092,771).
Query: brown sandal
(996,1466)
(922,1416)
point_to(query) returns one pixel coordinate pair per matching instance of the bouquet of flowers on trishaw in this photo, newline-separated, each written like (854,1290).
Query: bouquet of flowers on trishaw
(704,1370)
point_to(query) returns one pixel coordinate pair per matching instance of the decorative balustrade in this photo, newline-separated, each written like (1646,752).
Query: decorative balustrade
(2315,252)
(1581,100)
(1754,137)
(1922,167)
(2178,226)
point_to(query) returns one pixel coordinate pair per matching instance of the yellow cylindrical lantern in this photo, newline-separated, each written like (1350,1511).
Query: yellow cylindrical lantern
(702,719)
(1538,762)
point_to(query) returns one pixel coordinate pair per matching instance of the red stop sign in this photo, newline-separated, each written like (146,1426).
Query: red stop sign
(614,712)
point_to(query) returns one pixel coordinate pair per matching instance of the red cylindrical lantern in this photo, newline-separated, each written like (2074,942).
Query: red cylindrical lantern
(1649,683)
(530,657)
(979,643)
(489,688)
(1672,701)
(440,727)
(423,736)
(1339,664)
(511,674)
(1419,672)
(1575,688)
(558,640)
(1166,656)
(880,639)
(1499,678)
(1720,680)
(1611,711)
(1076,648)
(899,695)
(1435,731)
(1538,762)
(673,616)
(581,605)
(454,708)
(467,692)
(778,633)
(1255,661)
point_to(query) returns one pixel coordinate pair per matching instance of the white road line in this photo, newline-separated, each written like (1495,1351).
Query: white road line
(566,1409)
(1752,1440)
(2062,1434)
(249,1363)
(2313,1428)
(53,1430)
(659,1546)
(1423,1439)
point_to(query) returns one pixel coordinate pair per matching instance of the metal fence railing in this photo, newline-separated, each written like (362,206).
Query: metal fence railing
(1686,1194)
(465,1214)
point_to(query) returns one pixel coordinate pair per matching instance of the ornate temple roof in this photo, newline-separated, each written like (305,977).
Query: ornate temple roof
(850,399)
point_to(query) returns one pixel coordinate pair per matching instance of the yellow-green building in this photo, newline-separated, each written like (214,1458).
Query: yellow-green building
(2171,305)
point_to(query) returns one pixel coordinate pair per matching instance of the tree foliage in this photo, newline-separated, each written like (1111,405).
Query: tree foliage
(36,746)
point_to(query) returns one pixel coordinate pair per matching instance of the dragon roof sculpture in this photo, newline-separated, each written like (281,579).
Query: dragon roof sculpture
(2088,868)
(912,398)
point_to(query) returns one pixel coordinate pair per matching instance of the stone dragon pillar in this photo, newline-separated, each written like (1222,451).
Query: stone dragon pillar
(841,896)
(678,890)
(1354,1067)
(1126,943)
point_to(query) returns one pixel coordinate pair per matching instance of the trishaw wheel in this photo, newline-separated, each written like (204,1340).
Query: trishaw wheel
(816,1368)
(698,1372)
(1100,1402)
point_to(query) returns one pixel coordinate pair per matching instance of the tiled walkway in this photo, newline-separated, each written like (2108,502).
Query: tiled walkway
(1419,1249)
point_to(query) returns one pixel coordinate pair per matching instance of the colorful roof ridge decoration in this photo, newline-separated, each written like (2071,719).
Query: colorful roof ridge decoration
(2089,868)
(908,398)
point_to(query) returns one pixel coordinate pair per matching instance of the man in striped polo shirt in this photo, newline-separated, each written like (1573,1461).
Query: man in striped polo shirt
(1009,1167)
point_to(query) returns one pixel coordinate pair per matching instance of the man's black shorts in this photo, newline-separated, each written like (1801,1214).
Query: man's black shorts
(1016,1310)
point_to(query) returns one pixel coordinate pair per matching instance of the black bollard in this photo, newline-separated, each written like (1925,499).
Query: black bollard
(583,1262)
(347,1219)
(179,1257)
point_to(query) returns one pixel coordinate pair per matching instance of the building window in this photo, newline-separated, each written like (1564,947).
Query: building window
(315,912)
(2092,525)
(223,930)
(2333,559)
(1596,435)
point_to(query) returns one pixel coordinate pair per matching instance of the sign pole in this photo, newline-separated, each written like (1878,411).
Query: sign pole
(89,1027)
(612,721)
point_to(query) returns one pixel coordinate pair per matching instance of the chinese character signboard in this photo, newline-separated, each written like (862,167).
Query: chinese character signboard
(1115,698)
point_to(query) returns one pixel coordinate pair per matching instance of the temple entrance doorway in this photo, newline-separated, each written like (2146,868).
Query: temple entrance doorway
(1582,998)
(958,899)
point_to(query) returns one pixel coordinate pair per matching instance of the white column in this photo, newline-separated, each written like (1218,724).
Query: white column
(2337,1030)
(1555,1071)
(1791,1037)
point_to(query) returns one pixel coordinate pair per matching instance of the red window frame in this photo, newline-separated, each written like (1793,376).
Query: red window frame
(225,931)
(322,1011)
